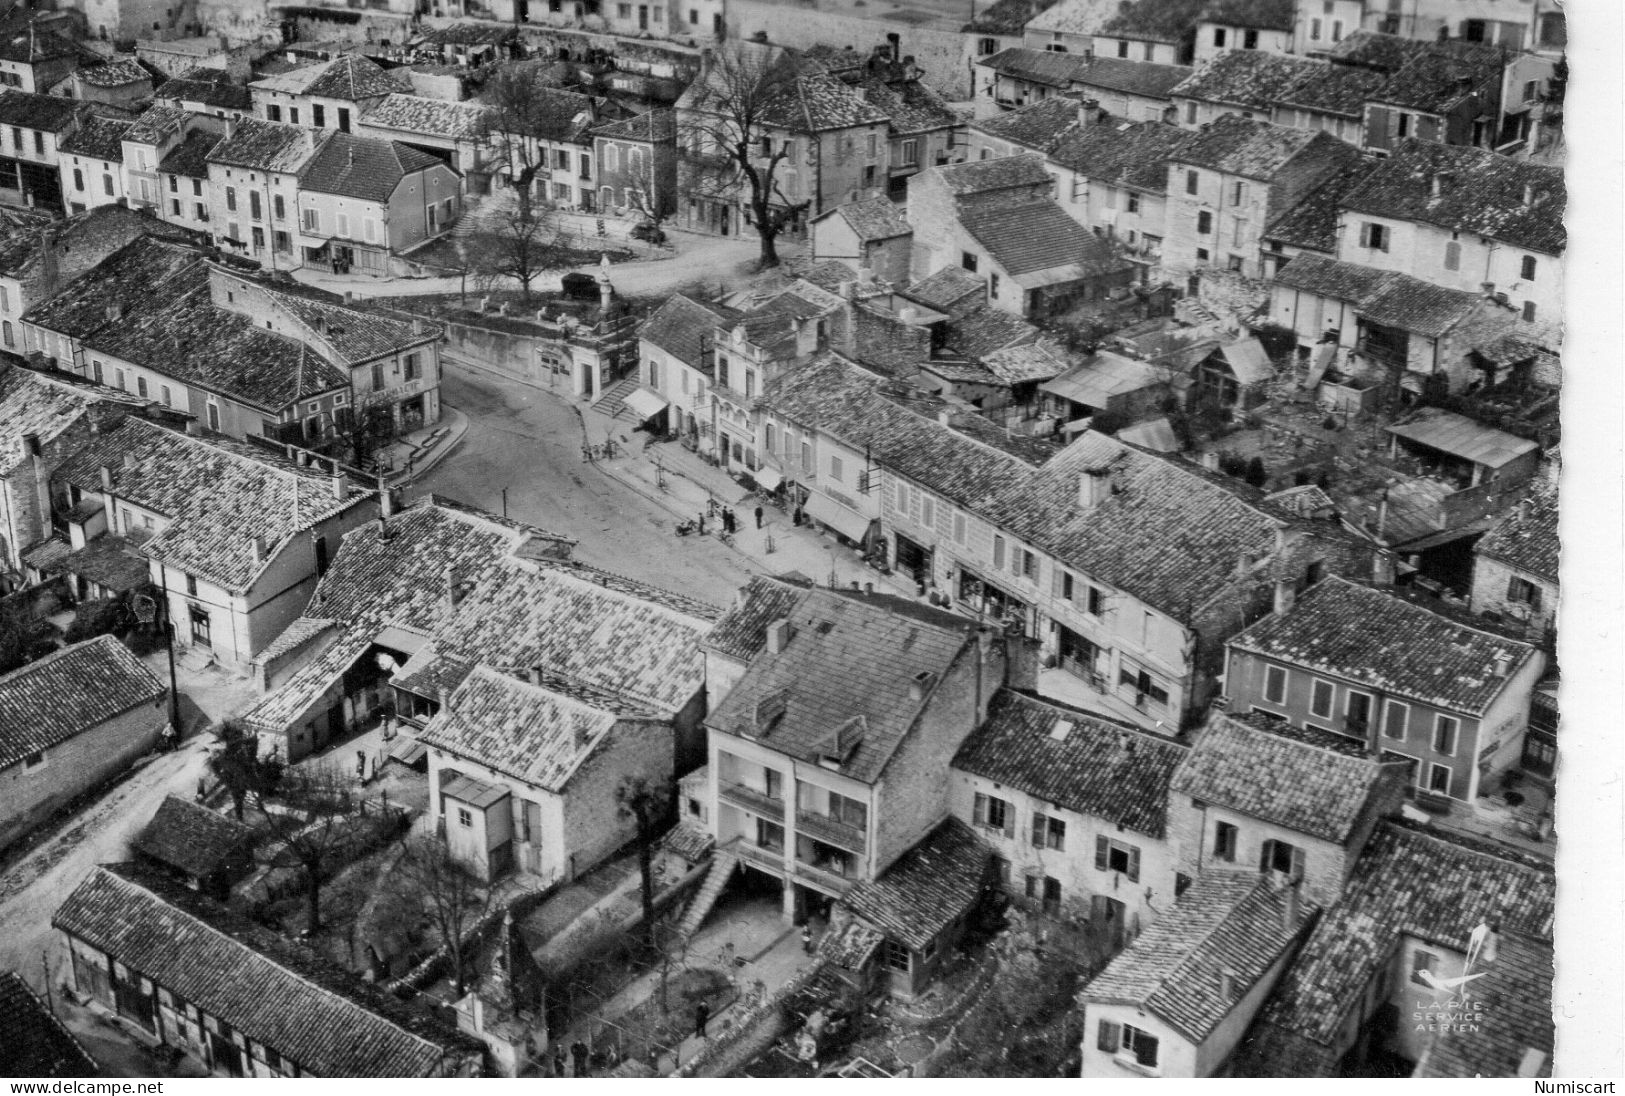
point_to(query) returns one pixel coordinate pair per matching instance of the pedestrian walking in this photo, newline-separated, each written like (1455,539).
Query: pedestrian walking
(702,1014)
(702,523)
(733,522)
(807,938)
(758,517)
(558,1062)
(578,1056)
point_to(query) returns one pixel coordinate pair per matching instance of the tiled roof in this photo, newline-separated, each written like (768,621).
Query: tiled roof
(68,692)
(1262,14)
(1096,767)
(1480,192)
(1226,924)
(850,945)
(348,76)
(561,115)
(1005,17)
(947,289)
(432,117)
(1259,81)
(219,93)
(1526,538)
(1370,637)
(1074,17)
(34,404)
(1144,78)
(1037,127)
(367,168)
(681,325)
(36,1043)
(47,113)
(109,561)
(1154,20)
(874,219)
(1385,296)
(191,157)
(521,730)
(846,660)
(911,106)
(1312,222)
(191,837)
(970,460)
(1003,173)
(651,125)
(741,632)
(150,126)
(1436,81)
(20,232)
(1037,66)
(1169,534)
(28,44)
(986,329)
(1245,146)
(1036,235)
(98,139)
(267,146)
(1409,881)
(218,494)
(1516,992)
(115,74)
(1280,779)
(170,325)
(595,637)
(355,332)
(277,993)
(1390,52)
(470,34)
(1127,154)
(1037,361)
(927,888)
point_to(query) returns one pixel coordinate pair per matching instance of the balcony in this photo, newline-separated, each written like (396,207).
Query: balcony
(833,831)
(766,859)
(818,877)
(757,802)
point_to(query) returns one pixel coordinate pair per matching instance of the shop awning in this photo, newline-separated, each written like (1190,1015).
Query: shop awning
(645,404)
(849,523)
(768,479)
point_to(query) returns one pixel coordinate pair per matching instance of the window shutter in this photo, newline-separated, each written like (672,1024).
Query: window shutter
(1056,585)
(980,813)
(1365,235)
(1134,865)
(1109,1036)
(1009,820)
(1038,829)
(1297,863)
(1264,852)
(1103,850)
(998,552)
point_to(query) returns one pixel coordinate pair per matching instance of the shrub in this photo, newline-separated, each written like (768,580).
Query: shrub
(1256,473)
(97,618)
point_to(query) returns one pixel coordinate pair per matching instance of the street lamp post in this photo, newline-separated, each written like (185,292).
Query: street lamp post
(168,626)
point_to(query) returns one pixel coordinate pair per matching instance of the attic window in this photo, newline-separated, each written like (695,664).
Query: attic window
(824,627)
(1062,728)
(838,747)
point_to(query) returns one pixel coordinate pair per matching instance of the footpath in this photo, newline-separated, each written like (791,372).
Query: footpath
(685,485)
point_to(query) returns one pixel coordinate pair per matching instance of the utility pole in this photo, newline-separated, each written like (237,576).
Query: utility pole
(169,644)
(504,502)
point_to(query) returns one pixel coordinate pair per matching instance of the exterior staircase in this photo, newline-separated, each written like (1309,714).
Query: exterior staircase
(613,402)
(699,907)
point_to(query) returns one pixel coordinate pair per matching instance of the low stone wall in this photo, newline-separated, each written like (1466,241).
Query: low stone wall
(747,1034)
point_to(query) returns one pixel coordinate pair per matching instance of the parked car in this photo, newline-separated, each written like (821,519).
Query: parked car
(649,232)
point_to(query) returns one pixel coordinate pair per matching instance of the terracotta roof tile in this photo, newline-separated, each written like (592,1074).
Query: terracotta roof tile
(1372,638)
(349,76)
(1131,154)
(741,632)
(36,1044)
(1036,235)
(681,325)
(1100,768)
(1282,779)
(97,139)
(218,93)
(432,117)
(192,838)
(1263,14)
(927,888)
(1037,127)
(875,219)
(46,113)
(1245,146)
(1526,538)
(68,692)
(277,993)
(362,167)
(1002,173)
(1516,992)
(267,146)
(1226,923)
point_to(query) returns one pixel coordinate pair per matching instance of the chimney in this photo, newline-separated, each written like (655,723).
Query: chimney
(1089,112)
(349,296)
(868,589)
(1529,195)
(1433,186)
(1093,488)
(453,592)
(1286,595)
(1227,984)
(535,675)
(1503,663)
(1382,569)
(417,325)
(107,480)
(1291,906)
(1210,460)
(1382,514)
(341,486)
(921,685)
(259,549)
(778,635)
(386,503)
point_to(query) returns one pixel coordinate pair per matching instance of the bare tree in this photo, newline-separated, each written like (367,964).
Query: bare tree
(453,898)
(644,802)
(238,766)
(522,109)
(364,429)
(514,245)
(308,812)
(736,108)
